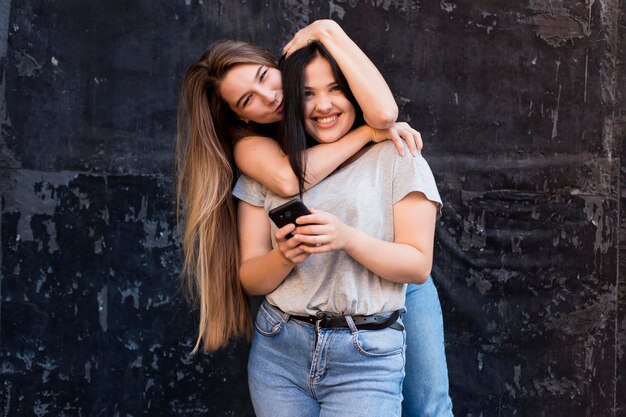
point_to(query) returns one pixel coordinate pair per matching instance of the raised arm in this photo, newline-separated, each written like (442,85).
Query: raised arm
(262,159)
(367,84)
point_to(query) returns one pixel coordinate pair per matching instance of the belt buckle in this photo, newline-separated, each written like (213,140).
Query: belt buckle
(324,320)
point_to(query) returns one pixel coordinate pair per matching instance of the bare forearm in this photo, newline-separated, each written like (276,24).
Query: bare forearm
(262,159)
(323,159)
(263,274)
(397,262)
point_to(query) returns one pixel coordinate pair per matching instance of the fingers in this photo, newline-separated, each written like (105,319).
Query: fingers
(419,144)
(291,249)
(397,141)
(281,234)
(299,40)
(406,133)
(410,139)
(317,241)
(307,35)
(289,49)
(316,233)
(309,250)
(314,217)
(316,230)
(295,255)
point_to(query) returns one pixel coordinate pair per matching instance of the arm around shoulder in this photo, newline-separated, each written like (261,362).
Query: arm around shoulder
(261,158)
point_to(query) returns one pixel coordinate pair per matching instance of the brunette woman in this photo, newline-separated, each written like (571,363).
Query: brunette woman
(329,339)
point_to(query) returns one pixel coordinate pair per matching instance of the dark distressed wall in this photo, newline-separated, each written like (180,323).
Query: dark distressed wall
(521,105)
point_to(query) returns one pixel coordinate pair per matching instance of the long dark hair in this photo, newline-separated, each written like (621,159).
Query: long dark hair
(292,136)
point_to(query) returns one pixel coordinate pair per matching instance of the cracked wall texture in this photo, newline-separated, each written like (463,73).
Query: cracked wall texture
(521,106)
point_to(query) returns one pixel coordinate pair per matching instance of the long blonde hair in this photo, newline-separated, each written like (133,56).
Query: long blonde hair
(205,175)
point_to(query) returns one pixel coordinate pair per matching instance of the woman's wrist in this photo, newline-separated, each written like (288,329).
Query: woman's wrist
(373,135)
(284,261)
(350,238)
(328,32)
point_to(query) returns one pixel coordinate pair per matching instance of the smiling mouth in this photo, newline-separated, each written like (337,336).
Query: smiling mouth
(279,109)
(326,122)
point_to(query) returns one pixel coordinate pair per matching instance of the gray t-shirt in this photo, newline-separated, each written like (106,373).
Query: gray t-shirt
(362,195)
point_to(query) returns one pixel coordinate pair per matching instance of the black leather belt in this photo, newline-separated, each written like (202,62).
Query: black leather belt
(334,321)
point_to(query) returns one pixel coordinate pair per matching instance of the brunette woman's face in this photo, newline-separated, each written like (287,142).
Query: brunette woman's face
(254,92)
(328,114)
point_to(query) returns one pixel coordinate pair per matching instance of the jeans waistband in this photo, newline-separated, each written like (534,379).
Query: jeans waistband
(335,321)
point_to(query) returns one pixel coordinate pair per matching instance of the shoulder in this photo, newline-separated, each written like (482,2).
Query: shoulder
(250,142)
(250,191)
(384,150)
(253,149)
(386,153)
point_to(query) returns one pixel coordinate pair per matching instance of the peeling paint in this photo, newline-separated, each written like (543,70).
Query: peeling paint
(447,6)
(587,319)
(555,115)
(525,264)
(474,231)
(103,308)
(409,7)
(296,17)
(475,279)
(335,10)
(7,396)
(27,66)
(557,25)
(133,293)
(594,209)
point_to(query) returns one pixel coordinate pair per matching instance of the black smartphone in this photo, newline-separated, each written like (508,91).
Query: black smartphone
(288,213)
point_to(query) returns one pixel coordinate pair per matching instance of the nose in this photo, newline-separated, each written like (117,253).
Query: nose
(323,103)
(268,96)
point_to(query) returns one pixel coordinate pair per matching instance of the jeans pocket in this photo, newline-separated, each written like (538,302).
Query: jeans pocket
(268,321)
(385,342)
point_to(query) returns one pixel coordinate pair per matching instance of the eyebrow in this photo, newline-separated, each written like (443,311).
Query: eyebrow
(334,83)
(256,77)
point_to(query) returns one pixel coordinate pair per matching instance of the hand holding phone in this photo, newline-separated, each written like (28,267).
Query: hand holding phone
(288,213)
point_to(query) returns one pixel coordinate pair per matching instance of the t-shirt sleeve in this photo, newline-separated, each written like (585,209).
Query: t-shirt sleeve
(414,174)
(250,191)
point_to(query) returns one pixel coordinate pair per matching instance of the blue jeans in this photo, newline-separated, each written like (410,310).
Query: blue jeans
(295,371)
(426,382)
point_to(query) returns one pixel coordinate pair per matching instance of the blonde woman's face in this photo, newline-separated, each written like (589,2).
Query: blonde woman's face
(254,92)
(328,114)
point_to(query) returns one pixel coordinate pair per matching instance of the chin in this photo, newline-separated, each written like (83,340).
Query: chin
(323,137)
(269,120)
(328,138)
